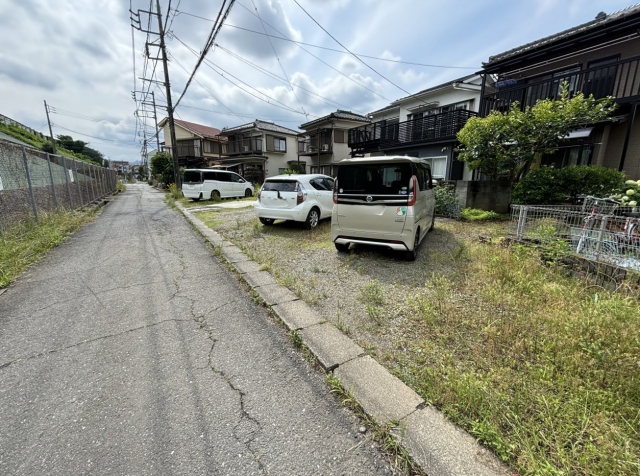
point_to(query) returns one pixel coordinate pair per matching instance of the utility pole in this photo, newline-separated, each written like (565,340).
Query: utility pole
(155,117)
(172,129)
(135,18)
(53,142)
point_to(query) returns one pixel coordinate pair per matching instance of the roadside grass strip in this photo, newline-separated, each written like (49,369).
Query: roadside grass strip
(27,242)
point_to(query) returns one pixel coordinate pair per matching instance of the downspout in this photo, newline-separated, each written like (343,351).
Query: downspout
(628,136)
(318,145)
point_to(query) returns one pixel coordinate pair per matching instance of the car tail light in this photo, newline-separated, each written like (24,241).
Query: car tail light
(413,191)
(301,195)
(259,193)
(335,191)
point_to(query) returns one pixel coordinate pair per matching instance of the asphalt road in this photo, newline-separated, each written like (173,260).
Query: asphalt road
(131,350)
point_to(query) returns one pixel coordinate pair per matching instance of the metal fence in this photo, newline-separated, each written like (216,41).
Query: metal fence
(607,235)
(32,181)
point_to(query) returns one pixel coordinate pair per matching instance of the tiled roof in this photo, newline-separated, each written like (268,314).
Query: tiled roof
(261,125)
(434,88)
(339,114)
(600,20)
(197,129)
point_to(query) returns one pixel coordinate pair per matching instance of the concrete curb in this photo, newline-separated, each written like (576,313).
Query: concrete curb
(438,446)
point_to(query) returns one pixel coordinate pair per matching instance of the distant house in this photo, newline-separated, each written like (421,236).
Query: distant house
(424,125)
(258,149)
(324,140)
(600,57)
(197,145)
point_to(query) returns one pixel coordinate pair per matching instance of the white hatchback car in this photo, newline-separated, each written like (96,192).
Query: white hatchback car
(304,198)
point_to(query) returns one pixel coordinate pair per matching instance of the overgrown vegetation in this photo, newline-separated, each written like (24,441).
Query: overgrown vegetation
(549,185)
(24,244)
(475,214)
(162,167)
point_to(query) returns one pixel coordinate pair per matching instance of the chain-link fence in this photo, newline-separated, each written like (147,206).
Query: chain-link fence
(32,181)
(603,234)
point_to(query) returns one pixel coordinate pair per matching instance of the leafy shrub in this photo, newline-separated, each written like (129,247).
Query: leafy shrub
(475,214)
(549,185)
(629,194)
(447,204)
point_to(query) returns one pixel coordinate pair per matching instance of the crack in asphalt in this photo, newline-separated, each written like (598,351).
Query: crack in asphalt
(88,341)
(244,414)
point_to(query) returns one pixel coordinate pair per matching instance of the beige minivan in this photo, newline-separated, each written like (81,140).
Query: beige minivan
(383,201)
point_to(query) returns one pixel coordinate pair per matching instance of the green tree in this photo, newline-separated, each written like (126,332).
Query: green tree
(162,167)
(504,143)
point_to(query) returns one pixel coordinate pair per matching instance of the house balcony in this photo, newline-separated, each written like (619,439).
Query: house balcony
(310,145)
(251,146)
(384,135)
(620,79)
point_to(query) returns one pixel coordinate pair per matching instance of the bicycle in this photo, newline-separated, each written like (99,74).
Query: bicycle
(600,208)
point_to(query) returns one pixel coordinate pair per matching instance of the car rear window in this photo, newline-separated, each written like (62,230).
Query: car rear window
(381,179)
(192,176)
(279,185)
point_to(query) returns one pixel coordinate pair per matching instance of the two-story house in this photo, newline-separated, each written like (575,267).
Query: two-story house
(197,145)
(324,141)
(259,149)
(600,57)
(424,125)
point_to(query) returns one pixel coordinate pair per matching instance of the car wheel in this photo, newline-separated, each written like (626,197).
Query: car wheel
(197,199)
(433,220)
(413,254)
(248,193)
(341,247)
(312,219)
(215,195)
(266,221)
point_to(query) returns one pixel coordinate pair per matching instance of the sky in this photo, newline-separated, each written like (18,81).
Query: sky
(84,58)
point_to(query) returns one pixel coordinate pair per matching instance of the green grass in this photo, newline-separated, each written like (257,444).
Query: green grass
(24,244)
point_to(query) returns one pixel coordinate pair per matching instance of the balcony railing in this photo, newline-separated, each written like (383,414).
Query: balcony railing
(310,147)
(244,146)
(384,135)
(619,79)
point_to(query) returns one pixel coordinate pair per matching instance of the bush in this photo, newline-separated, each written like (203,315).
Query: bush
(447,204)
(162,166)
(549,185)
(174,191)
(475,214)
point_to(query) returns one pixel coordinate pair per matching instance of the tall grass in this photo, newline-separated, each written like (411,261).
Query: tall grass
(543,368)
(24,244)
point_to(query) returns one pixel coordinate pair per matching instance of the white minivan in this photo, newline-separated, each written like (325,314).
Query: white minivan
(209,183)
(383,201)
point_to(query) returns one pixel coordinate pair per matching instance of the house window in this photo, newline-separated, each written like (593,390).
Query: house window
(438,166)
(276,144)
(339,136)
(279,144)
(208,147)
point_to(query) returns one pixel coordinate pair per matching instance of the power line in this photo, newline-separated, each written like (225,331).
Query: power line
(215,69)
(324,62)
(284,38)
(352,54)
(215,29)
(93,137)
(240,115)
(275,76)
(277,58)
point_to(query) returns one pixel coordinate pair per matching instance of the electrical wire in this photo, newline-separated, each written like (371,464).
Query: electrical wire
(277,58)
(352,54)
(215,68)
(215,29)
(94,137)
(284,38)
(242,116)
(279,78)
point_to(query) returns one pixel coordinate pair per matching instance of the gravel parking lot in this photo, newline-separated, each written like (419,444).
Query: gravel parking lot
(364,293)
